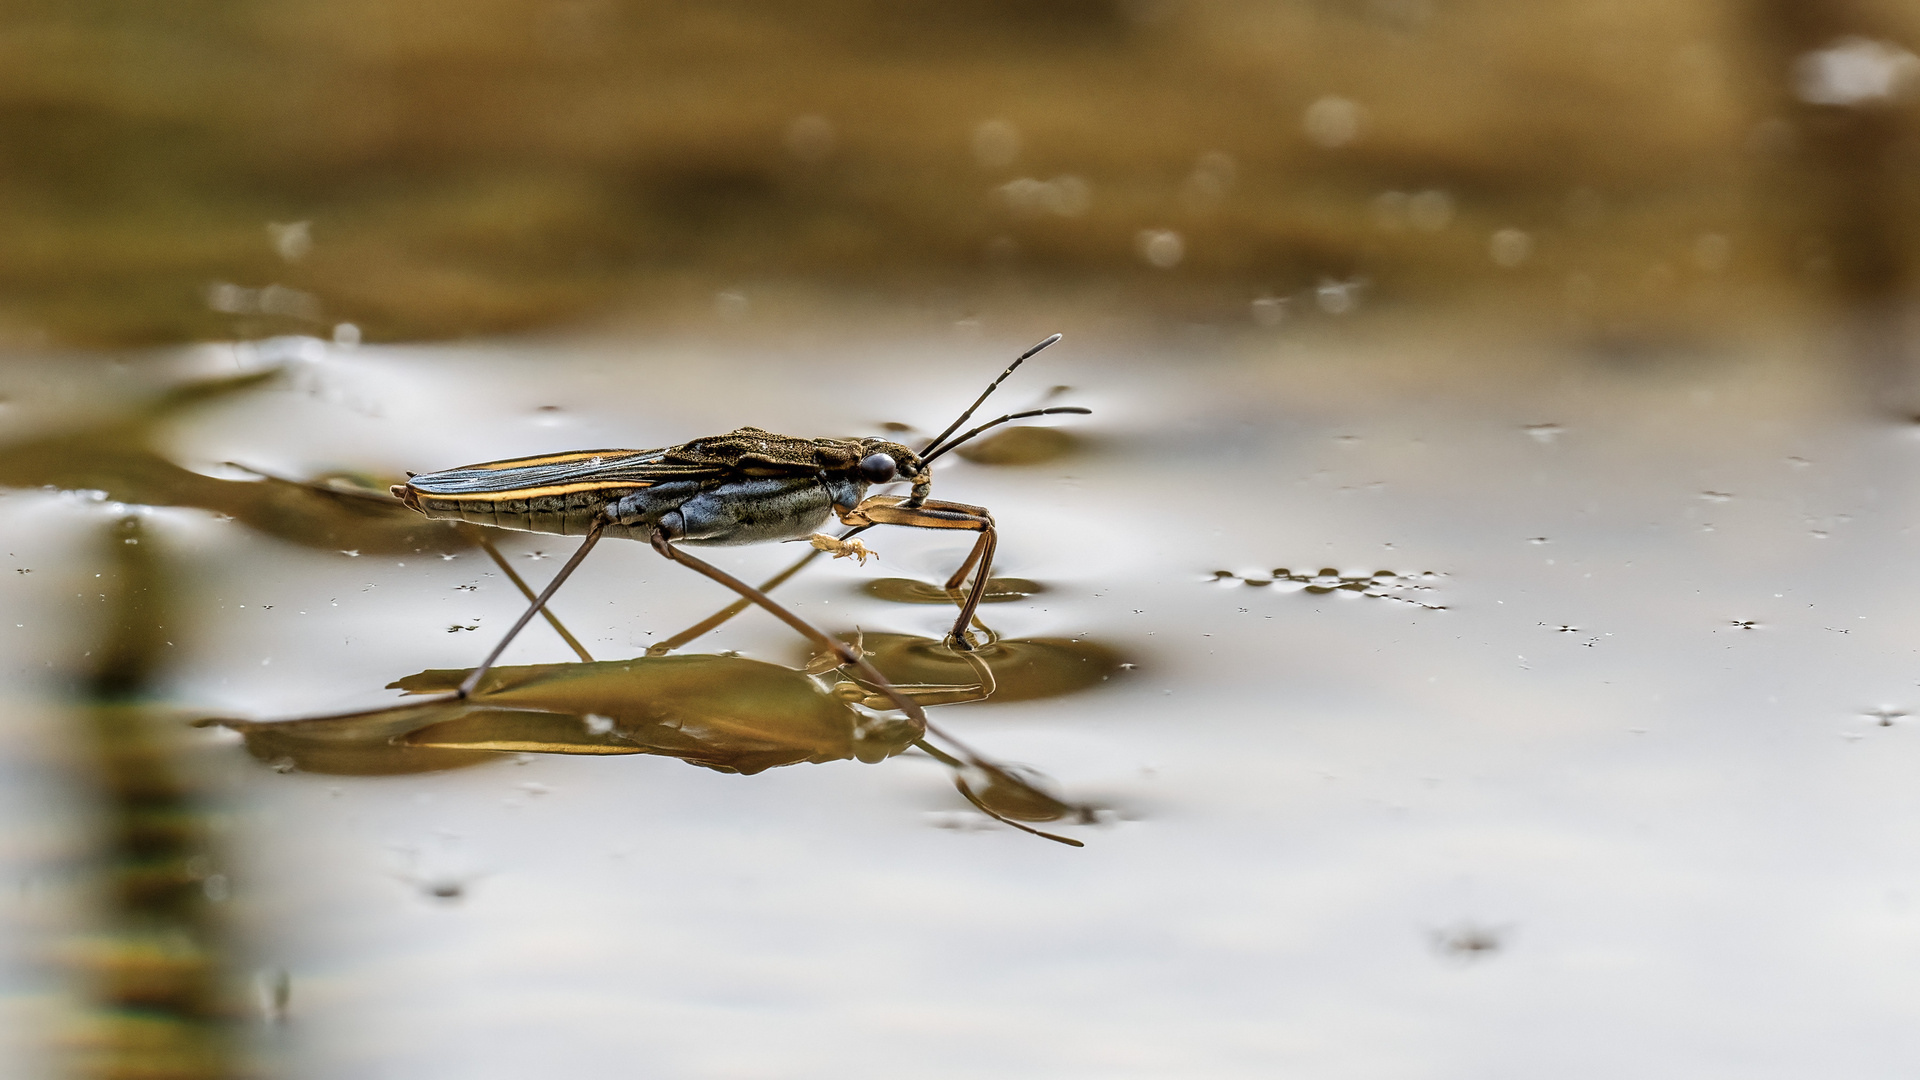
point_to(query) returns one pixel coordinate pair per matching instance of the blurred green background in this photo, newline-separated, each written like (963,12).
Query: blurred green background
(425,169)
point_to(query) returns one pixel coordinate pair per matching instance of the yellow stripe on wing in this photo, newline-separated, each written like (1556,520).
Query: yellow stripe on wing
(554,459)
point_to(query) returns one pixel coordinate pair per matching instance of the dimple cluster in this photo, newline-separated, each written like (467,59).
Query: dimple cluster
(1384,584)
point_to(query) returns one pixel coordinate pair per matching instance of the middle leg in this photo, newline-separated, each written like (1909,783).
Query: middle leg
(936,514)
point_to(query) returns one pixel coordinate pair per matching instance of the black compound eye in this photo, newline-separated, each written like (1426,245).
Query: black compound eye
(877,468)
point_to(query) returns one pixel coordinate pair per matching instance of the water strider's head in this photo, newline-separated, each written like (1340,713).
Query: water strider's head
(883,461)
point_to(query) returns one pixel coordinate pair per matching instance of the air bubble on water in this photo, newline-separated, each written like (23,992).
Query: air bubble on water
(1510,248)
(1069,196)
(1545,433)
(230,299)
(1717,496)
(1338,297)
(1333,121)
(1162,248)
(1539,540)
(1854,71)
(292,240)
(1063,196)
(1212,177)
(1269,311)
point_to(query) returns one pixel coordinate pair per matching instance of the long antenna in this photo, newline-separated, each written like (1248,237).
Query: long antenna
(991,387)
(935,451)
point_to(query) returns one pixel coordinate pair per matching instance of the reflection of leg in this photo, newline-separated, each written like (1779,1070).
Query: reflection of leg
(927,694)
(710,623)
(539,603)
(553,620)
(867,671)
(846,653)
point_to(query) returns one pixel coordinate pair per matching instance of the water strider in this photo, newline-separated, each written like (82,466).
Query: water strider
(745,487)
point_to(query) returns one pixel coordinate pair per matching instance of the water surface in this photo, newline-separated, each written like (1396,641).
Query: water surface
(1546,715)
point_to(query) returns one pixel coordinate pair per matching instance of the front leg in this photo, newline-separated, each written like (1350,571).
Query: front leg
(936,514)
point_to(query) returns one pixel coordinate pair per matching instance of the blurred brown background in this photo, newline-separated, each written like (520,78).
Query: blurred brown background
(424,169)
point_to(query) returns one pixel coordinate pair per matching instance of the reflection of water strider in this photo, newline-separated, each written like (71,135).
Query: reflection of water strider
(745,487)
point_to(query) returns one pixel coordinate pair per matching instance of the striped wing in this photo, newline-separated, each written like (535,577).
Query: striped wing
(557,474)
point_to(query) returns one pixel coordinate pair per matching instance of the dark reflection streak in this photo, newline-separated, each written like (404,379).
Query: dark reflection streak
(158,964)
(113,455)
(553,620)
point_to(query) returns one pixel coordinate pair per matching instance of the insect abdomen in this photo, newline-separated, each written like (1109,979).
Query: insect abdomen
(562,514)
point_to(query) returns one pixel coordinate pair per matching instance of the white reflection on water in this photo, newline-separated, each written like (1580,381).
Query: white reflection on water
(1661,759)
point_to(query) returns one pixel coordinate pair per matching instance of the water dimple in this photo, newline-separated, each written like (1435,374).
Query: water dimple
(912,591)
(1380,585)
(1468,942)
(1022,446)
(1022,669)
